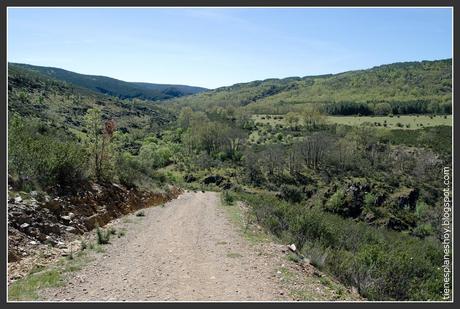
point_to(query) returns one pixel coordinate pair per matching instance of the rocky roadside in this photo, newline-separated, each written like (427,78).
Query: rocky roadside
(42,228)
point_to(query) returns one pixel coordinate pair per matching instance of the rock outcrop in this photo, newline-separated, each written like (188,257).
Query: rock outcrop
(39,220)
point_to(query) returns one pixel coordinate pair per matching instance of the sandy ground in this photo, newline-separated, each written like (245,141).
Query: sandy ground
(187,250)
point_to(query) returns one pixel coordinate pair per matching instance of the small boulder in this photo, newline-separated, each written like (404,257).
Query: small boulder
(71,229)
(24,225)
(66,218)
(292,247)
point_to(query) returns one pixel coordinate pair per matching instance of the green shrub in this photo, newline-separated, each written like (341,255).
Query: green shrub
(84,245)
(421,209)
(103,237)
(128,169)
(423,230)
(336,201)
(228,198)
(39,155)
(316,254)
(369,200)
(155,153)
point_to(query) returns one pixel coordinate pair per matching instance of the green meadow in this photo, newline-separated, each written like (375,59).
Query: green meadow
(410,122)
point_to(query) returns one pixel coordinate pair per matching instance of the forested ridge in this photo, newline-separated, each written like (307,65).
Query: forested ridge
(112,86)
(399,88)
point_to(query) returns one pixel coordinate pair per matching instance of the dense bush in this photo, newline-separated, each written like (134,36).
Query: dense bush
(155,155)
(43,156)
(129,170)
(336,202)
(382,264)
(228,198)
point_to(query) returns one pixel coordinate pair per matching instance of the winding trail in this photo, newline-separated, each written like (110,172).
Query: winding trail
(185,251)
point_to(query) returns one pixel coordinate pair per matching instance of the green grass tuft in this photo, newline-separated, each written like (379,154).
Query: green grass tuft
(26,288)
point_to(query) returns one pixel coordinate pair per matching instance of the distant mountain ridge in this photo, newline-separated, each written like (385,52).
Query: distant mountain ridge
(63,105)
(115,87)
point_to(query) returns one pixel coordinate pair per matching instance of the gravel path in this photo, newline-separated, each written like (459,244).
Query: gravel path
(187,250)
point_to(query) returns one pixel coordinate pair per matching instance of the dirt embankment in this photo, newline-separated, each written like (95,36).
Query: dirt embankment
(41,227)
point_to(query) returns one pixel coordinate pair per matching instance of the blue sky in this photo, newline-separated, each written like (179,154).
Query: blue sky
(219,47)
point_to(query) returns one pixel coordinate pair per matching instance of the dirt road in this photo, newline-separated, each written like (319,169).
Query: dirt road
(186,250)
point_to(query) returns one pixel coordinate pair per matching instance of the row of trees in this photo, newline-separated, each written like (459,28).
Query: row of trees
(386,108)
(309,117)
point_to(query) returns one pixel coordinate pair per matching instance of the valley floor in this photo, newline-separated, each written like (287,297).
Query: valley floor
(189,250)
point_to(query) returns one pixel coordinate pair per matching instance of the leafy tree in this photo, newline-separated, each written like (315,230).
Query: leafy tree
(312,118)
(252,170)
(382,109)
(185,117)
(312,149)
(293,120)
